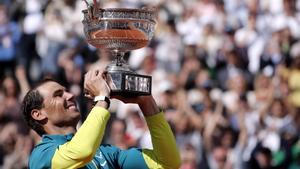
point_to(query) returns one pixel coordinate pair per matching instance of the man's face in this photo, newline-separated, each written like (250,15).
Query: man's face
(59,105)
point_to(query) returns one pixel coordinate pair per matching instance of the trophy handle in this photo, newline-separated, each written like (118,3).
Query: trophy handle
(150,8)
(96,7)
(92,8)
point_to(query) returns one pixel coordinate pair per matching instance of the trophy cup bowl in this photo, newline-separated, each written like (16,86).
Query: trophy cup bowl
(120,30)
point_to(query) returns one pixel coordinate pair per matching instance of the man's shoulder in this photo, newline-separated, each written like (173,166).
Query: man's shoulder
(44,147)
(42,155)
(43,152)
(49,143)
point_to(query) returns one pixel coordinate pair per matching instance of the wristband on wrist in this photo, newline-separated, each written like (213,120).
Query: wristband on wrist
(102,98)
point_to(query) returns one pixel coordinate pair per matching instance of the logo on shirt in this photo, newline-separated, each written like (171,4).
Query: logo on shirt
(101,159)
(98,161)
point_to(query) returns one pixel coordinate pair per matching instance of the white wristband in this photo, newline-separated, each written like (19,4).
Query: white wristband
(102,98)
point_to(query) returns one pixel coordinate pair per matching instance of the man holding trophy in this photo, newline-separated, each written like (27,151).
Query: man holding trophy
(51,111)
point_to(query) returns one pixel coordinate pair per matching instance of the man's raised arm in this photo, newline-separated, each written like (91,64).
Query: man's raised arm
(81,149)
(165,153)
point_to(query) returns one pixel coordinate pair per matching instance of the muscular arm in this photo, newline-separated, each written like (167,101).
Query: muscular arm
(165,153)
(81,149)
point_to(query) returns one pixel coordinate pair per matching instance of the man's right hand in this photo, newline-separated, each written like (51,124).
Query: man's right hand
(95,84)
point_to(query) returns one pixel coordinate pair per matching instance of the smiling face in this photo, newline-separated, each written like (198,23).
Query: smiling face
(59,105)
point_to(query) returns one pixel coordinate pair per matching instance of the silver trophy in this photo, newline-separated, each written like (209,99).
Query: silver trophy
(120,30)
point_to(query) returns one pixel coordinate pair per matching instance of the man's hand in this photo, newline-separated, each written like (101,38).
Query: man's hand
(95,84)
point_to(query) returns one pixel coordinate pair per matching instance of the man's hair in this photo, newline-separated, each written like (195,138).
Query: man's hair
(33,100)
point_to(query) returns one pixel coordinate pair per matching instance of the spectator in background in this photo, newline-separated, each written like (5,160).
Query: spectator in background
(30,12)
(118,135)
(11,102)
(169,41)
(189,157)
(235,65)
(137,130)
(190,67)
(188,27)
(9,38)
(291,75)
(62,23)
(263,157)
(262,87)
(17,147)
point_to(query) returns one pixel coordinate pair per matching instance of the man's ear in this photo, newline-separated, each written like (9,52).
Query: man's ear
(37,115)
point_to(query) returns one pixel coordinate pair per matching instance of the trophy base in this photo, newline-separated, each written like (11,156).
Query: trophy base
(128,84)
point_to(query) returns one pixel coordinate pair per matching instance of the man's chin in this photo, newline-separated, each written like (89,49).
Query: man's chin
(76,121)
(75,113)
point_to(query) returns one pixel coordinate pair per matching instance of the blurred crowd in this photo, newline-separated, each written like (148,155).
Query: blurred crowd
(225,72)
